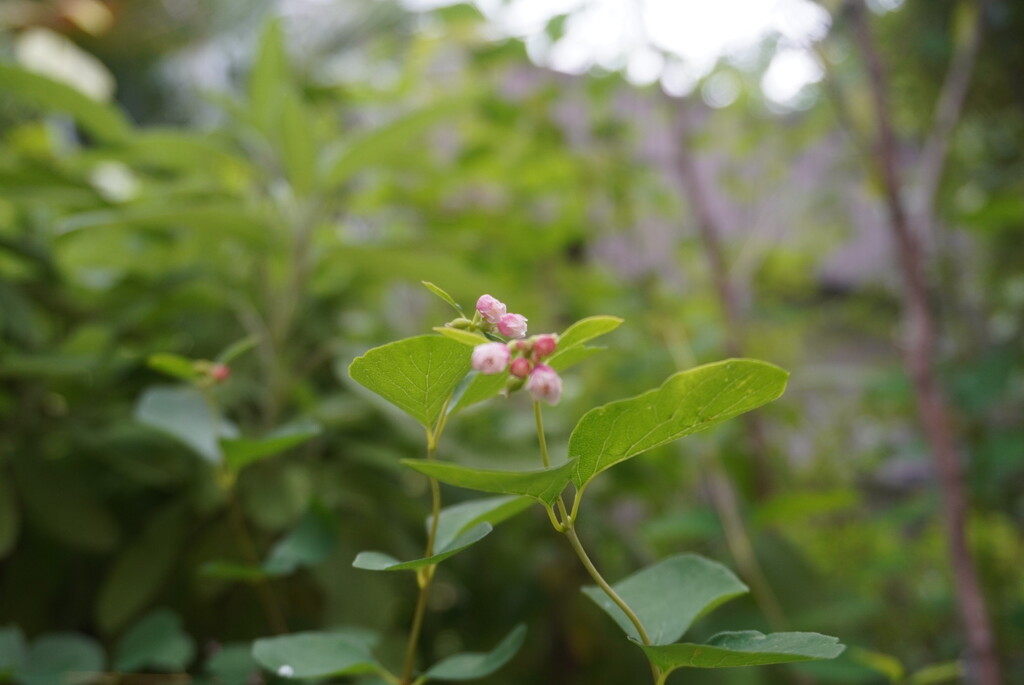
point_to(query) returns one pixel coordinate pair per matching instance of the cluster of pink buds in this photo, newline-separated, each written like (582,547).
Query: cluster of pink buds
(524,360)
(496,316)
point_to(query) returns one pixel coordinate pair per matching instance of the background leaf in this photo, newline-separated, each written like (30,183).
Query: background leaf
(10,517)
(459,518)
(242,452)
(471,666)
(314,655)
(310,543)
(64,659)
(156,642)
(378,561)
(184,414)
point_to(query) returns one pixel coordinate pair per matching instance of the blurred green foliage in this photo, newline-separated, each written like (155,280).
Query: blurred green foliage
(306,214)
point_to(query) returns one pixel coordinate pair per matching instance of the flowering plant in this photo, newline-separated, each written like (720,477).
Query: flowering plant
(433,377)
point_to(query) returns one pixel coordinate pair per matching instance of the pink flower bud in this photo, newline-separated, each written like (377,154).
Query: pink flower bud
(545,346)
(490,358)
(491,309)
(545,384)
(520,367)
(512,325)
(220,372)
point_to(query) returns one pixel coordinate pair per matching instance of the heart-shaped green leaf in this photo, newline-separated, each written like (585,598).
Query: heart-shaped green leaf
(417,375)
(473,665)
(241,452)
(379,561)
(745,648)
(687,402)
(544,484)
(307,545)
(587,329)
(670,595)
(155,642)
(459,518)
(315,655)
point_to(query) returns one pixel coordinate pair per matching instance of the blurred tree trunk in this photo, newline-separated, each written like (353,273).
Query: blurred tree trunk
(910,226)
(726,291)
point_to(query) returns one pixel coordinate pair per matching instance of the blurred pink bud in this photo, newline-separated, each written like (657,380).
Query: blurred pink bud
(545,384)
(521,367)
(545,345)
(490,358)
(512,325)
(491,309)
(220,372)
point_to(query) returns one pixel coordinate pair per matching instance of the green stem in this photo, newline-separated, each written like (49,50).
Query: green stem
(540,435)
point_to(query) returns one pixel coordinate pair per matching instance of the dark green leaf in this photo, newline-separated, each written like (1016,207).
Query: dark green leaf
(544,484)
(232,665)
(310,543)
(13,650)
(670,595)
(314,655)
(378,561)
(471,666)
(687,402)
(10,516)
(62,659)
(745,648)
(417,375)
(157,642)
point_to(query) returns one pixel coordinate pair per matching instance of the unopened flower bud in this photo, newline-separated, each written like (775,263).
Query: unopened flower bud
(520,367)
(490,358)
(545,384)
(545,346)
(491,309)
(512,325)
(220,372)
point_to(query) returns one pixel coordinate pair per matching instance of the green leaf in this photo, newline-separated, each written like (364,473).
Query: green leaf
(417,375)
(479,387)
(10,516)
(62,659)
(307,545)
(173,365)
(687,402)
(378,561)
(13,650)
(459,518)
(298,147)
(391,140)
(224,219)
(269,76)
(670,595)
(230,570)
(64,507)
(140,569)
(745,648)
(544,485)
(184,414)
(473,665)
(242,452)
(104,122)
(471,338)
(563,359)
(315,655)
(587,329)
(442,294)
(237,349)
(232,665)
(158,642)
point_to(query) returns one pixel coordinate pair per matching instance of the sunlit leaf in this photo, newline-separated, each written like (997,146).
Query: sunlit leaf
(687,402)
(473,665)
(587,329)
(471,338)
(670,595)
(544,484)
